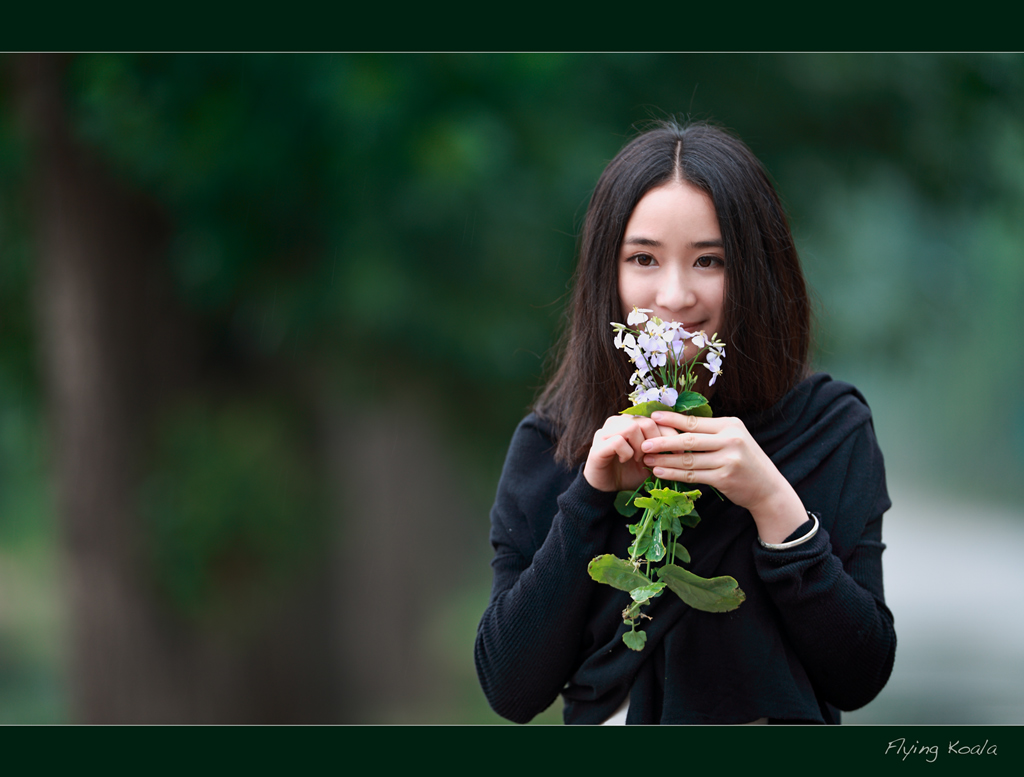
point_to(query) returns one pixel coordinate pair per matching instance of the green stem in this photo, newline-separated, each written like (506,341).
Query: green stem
(648,513)
(645,521)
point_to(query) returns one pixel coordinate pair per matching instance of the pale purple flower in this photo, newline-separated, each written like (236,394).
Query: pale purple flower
(637,357)
(651,395)
(652,343)
(679,338)
(655,347)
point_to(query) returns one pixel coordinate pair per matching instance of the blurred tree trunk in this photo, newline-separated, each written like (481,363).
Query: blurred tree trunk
(111,342)
(422,524)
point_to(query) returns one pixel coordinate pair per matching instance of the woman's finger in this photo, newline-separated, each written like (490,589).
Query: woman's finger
(623,449)
(681,441)
(683,475)
(665,431)
(682,461)
(613,446)
(636,433)
(630,431)
(689,423)
(628,426)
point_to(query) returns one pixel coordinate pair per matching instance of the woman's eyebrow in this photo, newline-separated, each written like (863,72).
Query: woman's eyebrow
(648,241)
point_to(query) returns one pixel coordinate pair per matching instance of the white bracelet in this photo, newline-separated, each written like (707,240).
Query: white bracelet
(797,541)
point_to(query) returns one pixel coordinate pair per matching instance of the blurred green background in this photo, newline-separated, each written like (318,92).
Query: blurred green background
(267,323)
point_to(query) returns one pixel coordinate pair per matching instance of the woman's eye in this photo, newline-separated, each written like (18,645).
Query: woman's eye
(709,261)
(644,260)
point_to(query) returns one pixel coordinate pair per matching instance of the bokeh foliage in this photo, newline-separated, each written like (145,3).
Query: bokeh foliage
(354,205)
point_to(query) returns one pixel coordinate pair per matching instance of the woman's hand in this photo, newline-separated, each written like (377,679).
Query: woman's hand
(720,452)
(616,460)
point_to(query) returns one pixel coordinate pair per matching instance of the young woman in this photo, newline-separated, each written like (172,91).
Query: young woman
(684,222)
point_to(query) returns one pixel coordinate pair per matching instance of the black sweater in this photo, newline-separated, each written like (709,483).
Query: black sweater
(813,636)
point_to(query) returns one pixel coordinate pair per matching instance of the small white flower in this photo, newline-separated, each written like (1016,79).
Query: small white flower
(669,396)
(714,363)
(641,381)
(637,316)
(624,340)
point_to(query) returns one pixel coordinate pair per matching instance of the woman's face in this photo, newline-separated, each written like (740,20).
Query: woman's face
(672,261)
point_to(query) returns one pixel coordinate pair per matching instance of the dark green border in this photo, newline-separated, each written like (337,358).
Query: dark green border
(306,26)
(303,748)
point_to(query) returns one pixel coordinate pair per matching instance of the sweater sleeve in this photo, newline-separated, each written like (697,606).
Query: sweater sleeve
(834,613)
(528,640)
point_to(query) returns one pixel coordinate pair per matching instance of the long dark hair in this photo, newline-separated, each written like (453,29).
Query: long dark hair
(766,315)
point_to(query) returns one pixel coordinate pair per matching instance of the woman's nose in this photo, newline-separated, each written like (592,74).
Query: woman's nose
(674,293)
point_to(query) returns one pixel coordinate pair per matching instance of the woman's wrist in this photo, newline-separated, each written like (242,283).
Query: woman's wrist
(804,534)
(780,514)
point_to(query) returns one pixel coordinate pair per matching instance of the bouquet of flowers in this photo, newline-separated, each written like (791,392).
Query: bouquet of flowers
(663,380)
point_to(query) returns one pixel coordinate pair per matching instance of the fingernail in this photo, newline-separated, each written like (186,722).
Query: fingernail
(647,445)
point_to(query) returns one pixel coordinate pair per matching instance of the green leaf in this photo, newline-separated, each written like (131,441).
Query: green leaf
(718,594)
(681,553)
(701,411)
(640,545)
(645,409)
(656,552)
(635,640)
(624,503)
(691,519)
(689,401)
(617,573)
(667,502)
(646,502)
(643,593)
